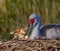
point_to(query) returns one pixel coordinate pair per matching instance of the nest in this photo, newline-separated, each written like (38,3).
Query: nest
(30,45)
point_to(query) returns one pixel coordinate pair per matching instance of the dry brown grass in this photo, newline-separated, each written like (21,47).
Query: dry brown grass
(31,45)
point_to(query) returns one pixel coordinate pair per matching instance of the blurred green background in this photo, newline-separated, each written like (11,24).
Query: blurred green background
(15,14)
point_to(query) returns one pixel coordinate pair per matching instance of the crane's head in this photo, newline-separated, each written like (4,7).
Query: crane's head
(34,19)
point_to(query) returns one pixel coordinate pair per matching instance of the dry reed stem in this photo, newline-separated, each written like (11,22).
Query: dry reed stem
(31,45)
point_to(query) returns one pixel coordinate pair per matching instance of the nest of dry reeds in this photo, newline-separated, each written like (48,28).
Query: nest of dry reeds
(30,45)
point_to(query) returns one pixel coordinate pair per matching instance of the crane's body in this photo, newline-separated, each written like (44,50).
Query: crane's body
(51,31)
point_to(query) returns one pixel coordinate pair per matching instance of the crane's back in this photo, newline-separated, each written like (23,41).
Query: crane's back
(51,31)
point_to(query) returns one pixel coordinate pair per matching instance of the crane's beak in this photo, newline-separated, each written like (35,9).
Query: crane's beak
(31,21)
(30,28)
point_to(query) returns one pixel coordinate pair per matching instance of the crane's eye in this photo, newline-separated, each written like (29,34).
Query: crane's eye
(31,21)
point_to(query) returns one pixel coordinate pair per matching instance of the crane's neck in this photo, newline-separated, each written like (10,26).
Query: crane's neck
(35,31)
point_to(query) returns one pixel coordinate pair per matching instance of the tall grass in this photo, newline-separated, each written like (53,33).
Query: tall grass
(15,13)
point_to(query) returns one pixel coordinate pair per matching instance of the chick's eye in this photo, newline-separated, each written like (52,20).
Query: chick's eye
(31,21)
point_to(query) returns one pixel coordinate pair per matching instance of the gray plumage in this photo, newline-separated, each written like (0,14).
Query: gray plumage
(51,31)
